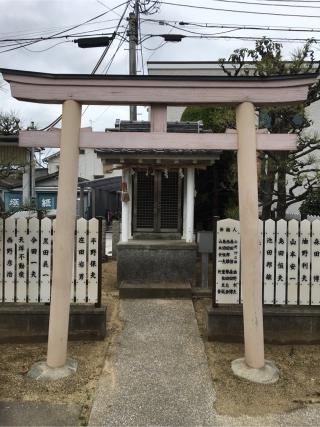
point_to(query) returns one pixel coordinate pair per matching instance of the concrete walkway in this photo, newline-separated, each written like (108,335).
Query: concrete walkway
(159,374)
(38,414)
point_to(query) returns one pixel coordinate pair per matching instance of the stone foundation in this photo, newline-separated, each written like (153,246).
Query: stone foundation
(156,261)
(282,324)
(30,322)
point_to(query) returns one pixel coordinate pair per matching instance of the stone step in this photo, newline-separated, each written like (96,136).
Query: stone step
(155,290)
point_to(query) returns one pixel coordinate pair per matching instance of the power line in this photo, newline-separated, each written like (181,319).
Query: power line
(249,38)
(95,68)
(39,32)
(296,1)
(48,48)
(114,35)
(232,26)
(106,49)
(66,36)
(268,4)
(219,25)
(19,44)
(108,65)
(239,11)
(107,7)
(71,28)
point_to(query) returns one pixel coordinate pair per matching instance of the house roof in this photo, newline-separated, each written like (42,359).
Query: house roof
(11,182)
(51,156)
(9,139)
(16,182)
(13,140)
(108,184)
(53,175)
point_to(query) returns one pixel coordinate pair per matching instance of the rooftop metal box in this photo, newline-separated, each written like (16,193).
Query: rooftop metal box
(205,241)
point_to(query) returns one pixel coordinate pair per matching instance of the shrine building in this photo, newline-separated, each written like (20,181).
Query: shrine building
(158,192)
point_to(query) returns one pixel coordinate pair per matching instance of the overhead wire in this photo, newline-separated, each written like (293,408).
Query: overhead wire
(221,25)
(107,7)
(108,65)
(46,30)
(261,3)
(238,10)
(71,28)
(248,38)
(95,68)
(296,1)
(46,49)
(82,34)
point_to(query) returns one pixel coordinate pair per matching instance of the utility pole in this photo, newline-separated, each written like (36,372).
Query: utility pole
(133,34)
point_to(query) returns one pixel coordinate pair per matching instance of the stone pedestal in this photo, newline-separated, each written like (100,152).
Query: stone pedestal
(157,261)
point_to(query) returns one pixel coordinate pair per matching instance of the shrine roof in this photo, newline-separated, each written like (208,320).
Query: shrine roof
(145,126)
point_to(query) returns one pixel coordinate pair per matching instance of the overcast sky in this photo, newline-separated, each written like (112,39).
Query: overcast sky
(19,18)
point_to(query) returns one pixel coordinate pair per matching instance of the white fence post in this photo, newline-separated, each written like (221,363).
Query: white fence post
(81,248)
(281,262)
(93,260)
(9,260)
(293,262)
(315,263)
(45,260)
(34,257)
(21,261)
(304,255)
(269,259)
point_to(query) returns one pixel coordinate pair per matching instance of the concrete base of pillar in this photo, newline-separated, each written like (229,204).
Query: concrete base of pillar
(269,374)
(40,371)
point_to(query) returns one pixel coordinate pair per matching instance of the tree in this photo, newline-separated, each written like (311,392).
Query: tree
(12,163)
(286,178)
(216,186)
(311,204)
(9,124)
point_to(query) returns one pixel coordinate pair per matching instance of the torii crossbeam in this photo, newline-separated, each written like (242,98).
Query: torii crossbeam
(244,93)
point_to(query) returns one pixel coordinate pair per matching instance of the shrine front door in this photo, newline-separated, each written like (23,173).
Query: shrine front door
(157,202)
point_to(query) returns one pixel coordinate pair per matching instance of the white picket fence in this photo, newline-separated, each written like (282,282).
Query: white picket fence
(26,249)
(290,262)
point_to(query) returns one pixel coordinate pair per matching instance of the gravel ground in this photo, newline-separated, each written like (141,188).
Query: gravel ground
(298,387)
(294,400)
(15,360)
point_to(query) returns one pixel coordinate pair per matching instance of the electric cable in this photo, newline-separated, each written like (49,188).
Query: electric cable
(71,28)
(248,38)
(268,4)
(239,11)
(242,27)
(95,68)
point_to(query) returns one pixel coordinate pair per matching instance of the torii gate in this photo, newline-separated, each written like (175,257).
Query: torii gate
(159,92)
